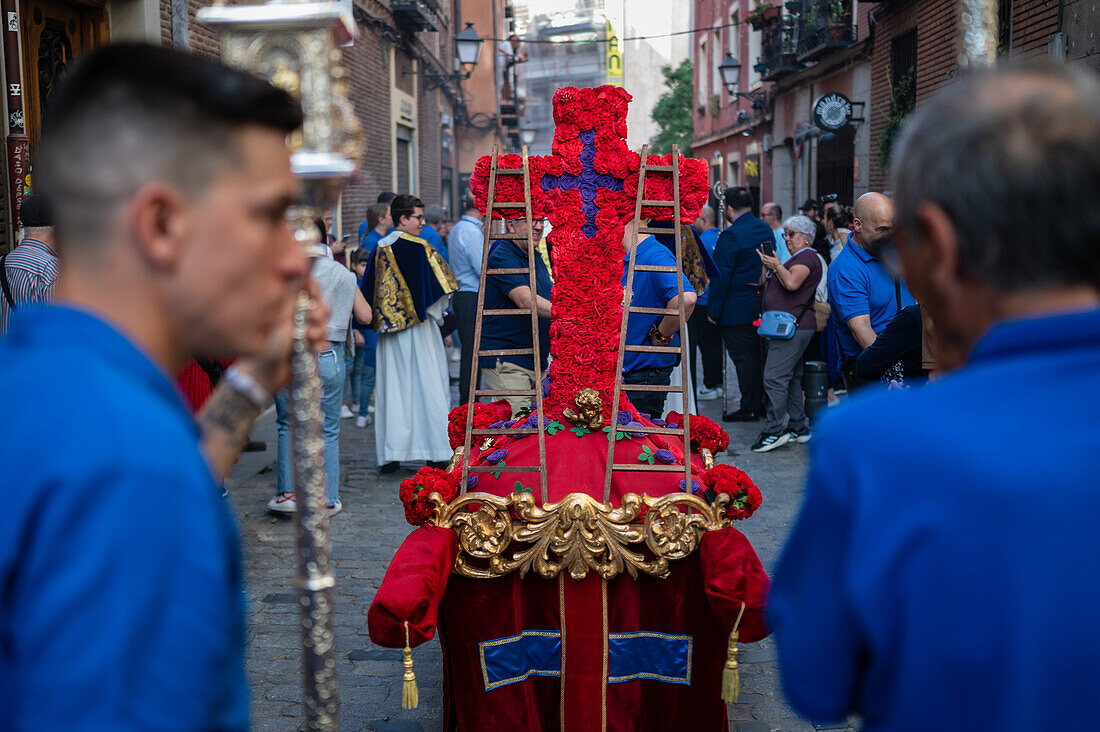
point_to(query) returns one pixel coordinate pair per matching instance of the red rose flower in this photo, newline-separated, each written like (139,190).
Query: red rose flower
(745,497)
(414,492)
(484,417)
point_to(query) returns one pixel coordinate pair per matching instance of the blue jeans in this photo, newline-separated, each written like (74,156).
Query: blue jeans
(353,366)
(366,388)
(331,365)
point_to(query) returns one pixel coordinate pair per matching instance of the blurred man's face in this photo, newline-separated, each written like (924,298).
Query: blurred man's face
(770,218)
(876,225)
(519,226)
(239,270)
(413,224)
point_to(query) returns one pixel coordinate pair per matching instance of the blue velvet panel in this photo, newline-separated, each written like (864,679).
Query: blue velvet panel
(643,655)
(509,660)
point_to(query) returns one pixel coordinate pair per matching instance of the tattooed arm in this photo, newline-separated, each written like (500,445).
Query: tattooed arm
(231,411)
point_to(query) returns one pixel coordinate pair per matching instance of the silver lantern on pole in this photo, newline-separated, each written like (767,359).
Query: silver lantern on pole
(294,46)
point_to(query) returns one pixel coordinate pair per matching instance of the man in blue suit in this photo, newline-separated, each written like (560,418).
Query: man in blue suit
(733,305)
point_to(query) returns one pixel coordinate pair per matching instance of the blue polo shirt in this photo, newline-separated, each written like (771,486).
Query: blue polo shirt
(651,290)
(121,603)
(709,239)
(430,235)
(942,572)
(860,285)
(512,331)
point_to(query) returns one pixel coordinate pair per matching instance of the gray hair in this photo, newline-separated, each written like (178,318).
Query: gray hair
(1012,157)
(802,224)
(433,214)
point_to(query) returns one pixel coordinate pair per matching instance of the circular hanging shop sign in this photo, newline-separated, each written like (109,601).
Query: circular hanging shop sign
(832,111)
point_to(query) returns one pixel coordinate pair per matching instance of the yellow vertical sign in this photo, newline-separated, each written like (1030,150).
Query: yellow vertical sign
(614,58)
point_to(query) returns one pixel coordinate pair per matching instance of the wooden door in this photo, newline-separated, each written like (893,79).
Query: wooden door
(54,33)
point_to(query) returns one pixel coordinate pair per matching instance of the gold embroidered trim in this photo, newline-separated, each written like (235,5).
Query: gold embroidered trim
(393,305)
(578,533)
(441,269)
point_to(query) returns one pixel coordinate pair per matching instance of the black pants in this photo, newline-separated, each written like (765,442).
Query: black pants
(648,402)
(465,306)
(743,346)
(707,338)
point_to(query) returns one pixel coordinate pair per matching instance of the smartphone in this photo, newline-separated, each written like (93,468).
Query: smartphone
(345,237)
(768,248)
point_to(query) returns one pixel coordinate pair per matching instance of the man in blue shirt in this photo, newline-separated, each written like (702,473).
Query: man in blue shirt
(772,214)
(865,297)
(120,581)
(704,336)
(733,306)
(653,290)
(942,573)
(510,292)
(466,241)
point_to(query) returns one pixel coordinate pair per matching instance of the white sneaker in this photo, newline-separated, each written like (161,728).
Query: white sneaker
(706,395)
(334,508)
(345,413)
(283,503)
(370,409)
(355,408)
(456,356)
(364,420)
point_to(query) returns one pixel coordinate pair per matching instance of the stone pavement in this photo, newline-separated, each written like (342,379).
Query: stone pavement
(366,535)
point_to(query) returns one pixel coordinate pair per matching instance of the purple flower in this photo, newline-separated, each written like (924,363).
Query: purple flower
(671,425)
(658,422)
(546,388)
(665,456)
(624,418)
(496,456)
(588,154)
(589,230)
(499,425)
(695,487)
(609,181)
(643,415)
(471,482)
(588,194)
(588,137)
(637,425)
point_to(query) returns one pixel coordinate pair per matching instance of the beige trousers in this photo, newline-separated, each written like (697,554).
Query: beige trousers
(507,376)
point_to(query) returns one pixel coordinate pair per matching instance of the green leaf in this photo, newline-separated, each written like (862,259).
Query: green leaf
(521,489)
(496,473)
(580,431)
(553,427)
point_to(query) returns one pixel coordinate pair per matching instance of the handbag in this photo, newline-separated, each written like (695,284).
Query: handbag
(779,325)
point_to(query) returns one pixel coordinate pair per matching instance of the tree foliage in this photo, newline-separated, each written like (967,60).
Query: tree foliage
(672,113)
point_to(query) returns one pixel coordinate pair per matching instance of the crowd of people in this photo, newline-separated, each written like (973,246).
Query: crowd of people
(903,581)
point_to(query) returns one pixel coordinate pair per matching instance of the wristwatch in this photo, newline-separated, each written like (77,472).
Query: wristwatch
(656,338)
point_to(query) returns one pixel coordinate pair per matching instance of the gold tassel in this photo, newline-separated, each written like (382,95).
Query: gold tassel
(731,678)
(410,696)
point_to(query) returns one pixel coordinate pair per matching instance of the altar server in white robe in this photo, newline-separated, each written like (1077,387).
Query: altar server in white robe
(408,284)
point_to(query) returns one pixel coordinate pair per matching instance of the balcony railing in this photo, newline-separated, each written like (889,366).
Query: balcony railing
(824,25)
(778,51)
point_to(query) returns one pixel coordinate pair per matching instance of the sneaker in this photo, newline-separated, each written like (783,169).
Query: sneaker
(355,407)
(346,413)
(283,503)
(390,467)
(370,409)
(334,508)
(364,420)
(767,443)
(707,395)
(801,436)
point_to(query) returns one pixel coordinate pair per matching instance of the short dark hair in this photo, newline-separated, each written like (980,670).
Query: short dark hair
(375,212)
(129,114)
(840,215)
(360,256)
(739,197)
(1018,138)
(404,205)
(35,213)
(468,203)
(385,197)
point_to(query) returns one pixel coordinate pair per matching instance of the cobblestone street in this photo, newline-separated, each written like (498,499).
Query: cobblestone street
(365,536)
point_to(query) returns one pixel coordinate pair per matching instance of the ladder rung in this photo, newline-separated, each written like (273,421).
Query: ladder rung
(651,430)
(514,204)
(654,311)
(505,392)
(669,388)
(653,349)
(646,202)
(655,268)
(511,469)
(510,237)
(507,271)
(514,311)
(657,169)
(506,431)
(657,468)
(654,230)
(519,352)
(509,171)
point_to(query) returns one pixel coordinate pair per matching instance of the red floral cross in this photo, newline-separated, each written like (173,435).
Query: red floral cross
(587,189)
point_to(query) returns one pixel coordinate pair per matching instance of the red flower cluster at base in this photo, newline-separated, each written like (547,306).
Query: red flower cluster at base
(745,497)
(415,491)
(705,432)
(484,417)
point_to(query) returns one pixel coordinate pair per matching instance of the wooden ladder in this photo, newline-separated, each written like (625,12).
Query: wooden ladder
(540,428)
(683,430)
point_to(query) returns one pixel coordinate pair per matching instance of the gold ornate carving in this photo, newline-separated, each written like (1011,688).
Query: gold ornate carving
(498,535)
(589,411)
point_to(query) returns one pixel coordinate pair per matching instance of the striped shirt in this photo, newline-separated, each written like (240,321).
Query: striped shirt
(31,269)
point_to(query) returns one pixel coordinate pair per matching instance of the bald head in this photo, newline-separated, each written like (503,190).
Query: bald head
(873,221)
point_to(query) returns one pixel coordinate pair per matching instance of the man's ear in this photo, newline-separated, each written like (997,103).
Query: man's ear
(939,247)
(157,224)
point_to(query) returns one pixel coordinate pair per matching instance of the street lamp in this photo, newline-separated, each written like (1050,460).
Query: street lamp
(468,49)
(730,69)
